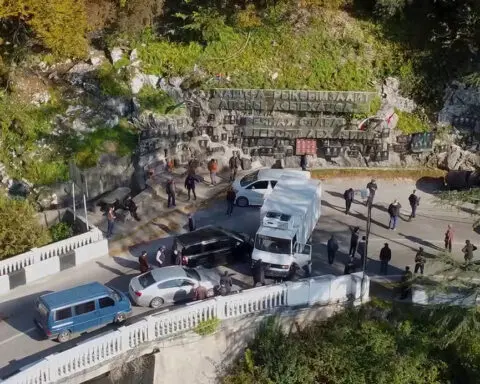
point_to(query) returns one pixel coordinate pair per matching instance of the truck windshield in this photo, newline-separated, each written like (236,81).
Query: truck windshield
(249,179)
(272,244)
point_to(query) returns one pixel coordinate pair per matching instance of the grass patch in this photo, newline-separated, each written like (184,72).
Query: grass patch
(334,52)
(155,100)
(114,79)
(410,123)
(399,173)
(207,327)
(120,140)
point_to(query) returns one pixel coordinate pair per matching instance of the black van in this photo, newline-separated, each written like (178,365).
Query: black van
(211,246)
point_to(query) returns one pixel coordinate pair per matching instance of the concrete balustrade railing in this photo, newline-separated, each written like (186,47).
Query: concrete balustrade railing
(320,290)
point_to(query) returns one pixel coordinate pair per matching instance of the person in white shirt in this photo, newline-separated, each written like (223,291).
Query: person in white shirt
(161,256)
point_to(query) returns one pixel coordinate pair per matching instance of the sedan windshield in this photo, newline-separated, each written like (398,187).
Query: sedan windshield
(249,179)
(192,273)
(272,244)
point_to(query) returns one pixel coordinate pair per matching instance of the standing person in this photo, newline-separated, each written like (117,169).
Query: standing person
(349,266)
(372,188)
(385,257)
(178,258)
(169,165)
(231,196)
(303,162)
(110,221)
(419,261)
(468,251)
(212,168)
(406,283)
(332,248)
(191,222)
(201,293)
(225,284)
(414,201)
(348,195)
(393,211)
(170,189)
(234,164)
(449,238)
(190,181)
(161,256)
(353,241)
(258,272)
(143,261)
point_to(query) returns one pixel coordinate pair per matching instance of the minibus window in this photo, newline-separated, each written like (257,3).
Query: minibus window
(63,314)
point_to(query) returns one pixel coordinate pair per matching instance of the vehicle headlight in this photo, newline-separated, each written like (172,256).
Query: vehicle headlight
(285,266)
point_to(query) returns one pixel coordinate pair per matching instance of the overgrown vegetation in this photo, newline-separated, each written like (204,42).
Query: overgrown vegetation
(374,344)
(61,231)
(207,327)
(410,123)
(19,227)
(154,100)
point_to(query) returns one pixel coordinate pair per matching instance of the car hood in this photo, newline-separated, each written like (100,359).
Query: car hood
(208,276)
(271,258)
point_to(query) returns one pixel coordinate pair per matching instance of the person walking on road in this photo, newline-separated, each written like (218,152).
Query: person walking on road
(420,261)
(406,284)
(385,257)
(190,181)
(303,162)
(332,248)
(258,272)
(234,164)
(354,241)
(414,201)
(468,251)
(372,189)
(213,168)
(170,189)
(449,238)
(161,256)
(110,221)
(231,196)
(348,195)
(143,261)
(191,222)
(394,212)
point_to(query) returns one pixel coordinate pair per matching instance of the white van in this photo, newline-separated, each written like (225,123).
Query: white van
(253,188)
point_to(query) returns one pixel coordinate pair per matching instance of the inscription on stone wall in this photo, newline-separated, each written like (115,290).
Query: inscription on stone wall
(290,100)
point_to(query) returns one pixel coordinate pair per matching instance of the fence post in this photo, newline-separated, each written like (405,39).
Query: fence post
(150,328)
(125,334)
(220,307)
(51,367)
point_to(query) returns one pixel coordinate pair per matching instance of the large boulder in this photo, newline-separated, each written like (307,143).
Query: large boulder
(391,94)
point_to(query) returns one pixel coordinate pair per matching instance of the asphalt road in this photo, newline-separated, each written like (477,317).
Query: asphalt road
(21,343)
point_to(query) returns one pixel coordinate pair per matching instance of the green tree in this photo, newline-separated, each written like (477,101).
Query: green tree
(20,229)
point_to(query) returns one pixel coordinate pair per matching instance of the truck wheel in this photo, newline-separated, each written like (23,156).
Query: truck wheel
(64,336)
(157,302)
(242,202)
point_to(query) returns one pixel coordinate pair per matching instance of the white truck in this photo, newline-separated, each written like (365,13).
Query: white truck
(287,219)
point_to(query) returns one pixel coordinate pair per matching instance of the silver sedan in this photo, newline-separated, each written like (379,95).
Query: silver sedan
(171,284)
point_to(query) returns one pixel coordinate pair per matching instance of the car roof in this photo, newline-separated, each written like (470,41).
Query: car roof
(170,272)
(74,295)
(201,234)
(269,173)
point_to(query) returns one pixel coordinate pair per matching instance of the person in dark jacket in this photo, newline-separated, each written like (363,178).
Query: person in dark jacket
(372,188)
(225,284)
(258,272)
(419,261)
(406,285)
(348,195)
(349,266)
(231,196)
(191,222)
(414,201)
(449,238)
(170,189)
(394,212)
(234,163)
(303,162)
(332,248)
(385,257)
(190,181)
(132,208)
(354,241)
(468,251)
(143,261)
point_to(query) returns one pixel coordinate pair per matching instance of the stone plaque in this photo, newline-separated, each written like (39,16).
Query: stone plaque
(422,142)
(282,122)
(400,148)
(290,100)
(306,146)
(403,139)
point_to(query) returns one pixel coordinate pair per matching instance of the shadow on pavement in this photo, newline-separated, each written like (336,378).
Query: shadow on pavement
(421,242)
(430,185)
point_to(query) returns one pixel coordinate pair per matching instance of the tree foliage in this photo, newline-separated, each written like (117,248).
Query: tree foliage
(19,228)
(375,344)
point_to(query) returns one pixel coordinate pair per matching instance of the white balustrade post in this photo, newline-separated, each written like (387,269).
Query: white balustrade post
(51,367)
(220,307)
(125,334)
(150,328)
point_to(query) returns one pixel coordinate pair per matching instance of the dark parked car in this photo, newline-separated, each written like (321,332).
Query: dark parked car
(213,246)
(462,180)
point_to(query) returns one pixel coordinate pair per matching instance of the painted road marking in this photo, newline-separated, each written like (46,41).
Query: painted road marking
(18,335)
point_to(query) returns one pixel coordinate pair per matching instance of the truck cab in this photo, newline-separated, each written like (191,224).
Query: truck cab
(277,246)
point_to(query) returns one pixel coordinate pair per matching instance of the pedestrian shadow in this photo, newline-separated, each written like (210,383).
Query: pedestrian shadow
(373,267)
(335,207)
(336,194)
(424,243)
(361,216)
(111,269)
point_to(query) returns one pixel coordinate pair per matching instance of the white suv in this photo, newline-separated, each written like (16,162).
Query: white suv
(253,188)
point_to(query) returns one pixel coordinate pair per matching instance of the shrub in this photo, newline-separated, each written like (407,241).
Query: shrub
(410,123)
(61,231)
(207,327)
(20,229)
